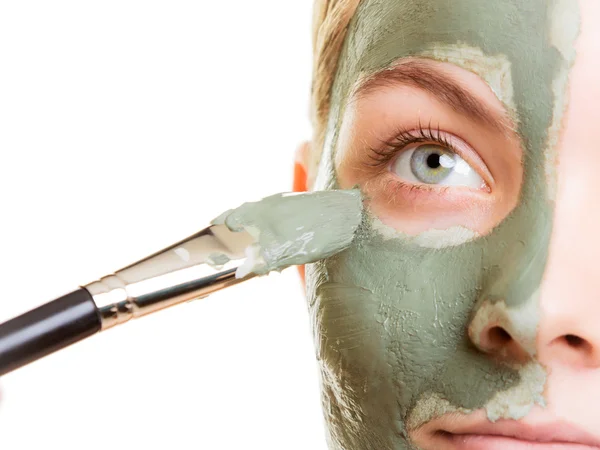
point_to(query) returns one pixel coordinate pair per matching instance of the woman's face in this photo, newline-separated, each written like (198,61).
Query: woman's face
(466,314)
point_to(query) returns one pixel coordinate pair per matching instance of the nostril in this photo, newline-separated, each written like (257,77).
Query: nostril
(576,342)
(498,338)
(574,350)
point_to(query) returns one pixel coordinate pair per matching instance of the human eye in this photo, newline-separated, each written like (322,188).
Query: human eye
(424,165)
(425,158)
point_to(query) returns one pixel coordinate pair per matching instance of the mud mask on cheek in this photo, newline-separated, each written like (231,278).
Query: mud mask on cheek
(390,316)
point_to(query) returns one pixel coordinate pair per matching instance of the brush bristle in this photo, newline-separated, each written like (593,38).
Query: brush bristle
(295,229)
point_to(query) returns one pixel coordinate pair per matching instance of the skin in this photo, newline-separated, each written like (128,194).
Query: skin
(406,320)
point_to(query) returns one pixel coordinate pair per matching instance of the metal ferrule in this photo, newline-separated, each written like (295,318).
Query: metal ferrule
(188,270)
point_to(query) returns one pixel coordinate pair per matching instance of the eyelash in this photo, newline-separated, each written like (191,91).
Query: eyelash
(389,149)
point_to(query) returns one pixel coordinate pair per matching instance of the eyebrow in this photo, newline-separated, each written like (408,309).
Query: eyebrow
(422,75)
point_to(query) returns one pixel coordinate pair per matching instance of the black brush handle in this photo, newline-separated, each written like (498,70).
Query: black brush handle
(46,329)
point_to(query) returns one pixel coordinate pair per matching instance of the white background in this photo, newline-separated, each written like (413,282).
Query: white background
(125,126)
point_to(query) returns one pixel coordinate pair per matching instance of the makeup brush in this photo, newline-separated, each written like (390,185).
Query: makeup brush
(271,234)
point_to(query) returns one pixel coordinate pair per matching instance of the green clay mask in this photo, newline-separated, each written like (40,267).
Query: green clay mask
(294,229)
(390,315)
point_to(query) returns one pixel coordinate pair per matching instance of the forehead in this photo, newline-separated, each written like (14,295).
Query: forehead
(388,29)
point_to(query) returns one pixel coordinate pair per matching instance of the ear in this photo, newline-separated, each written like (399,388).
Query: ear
(300,166)
(300,178)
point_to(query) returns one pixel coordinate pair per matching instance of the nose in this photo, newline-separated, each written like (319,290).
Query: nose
(559,323)
(569,330)
(559,327)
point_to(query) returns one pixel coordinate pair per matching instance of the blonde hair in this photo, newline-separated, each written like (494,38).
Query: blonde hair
(330,25)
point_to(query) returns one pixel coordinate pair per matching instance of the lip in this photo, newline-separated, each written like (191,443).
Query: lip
(475,432)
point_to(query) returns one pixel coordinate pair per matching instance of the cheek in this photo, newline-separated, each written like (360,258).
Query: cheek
(347,323)
(381,323)
(358,383)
